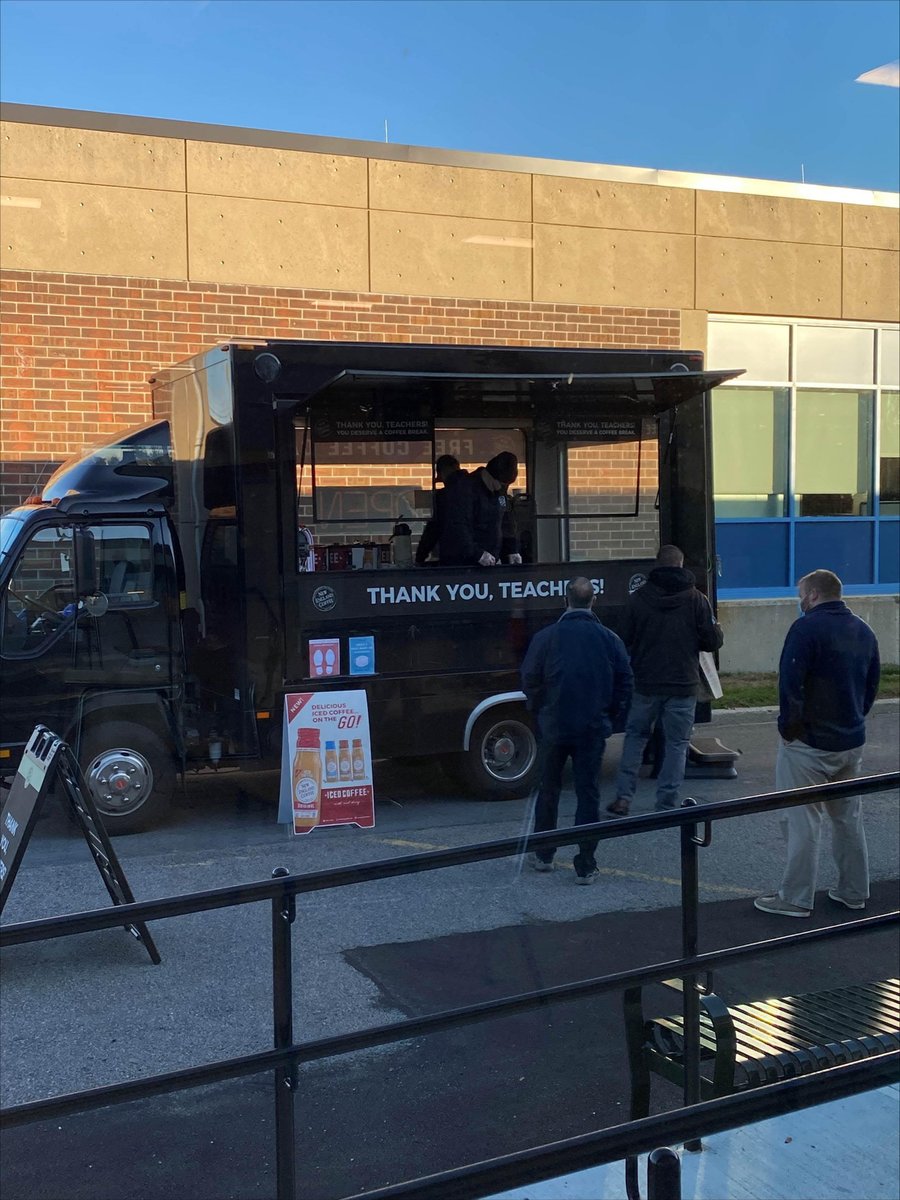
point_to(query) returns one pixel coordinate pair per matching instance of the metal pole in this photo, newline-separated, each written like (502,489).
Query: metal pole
(663,1175)
(690,894)
(284,909)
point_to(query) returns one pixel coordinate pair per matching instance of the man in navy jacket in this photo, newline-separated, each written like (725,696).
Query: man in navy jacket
(827,682)
(577,681)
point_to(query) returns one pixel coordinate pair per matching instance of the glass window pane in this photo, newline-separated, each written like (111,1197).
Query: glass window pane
(844,547)
(750,440)
(827,354)
(834,454)
(890,357)
(753,555)
(41,598)
(762,350)
(889,465)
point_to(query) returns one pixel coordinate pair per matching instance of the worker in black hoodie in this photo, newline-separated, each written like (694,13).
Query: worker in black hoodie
(477,524)
(446,471)
(667,623)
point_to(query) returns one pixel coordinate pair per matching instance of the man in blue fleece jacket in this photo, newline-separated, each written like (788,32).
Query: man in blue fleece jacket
(827,682)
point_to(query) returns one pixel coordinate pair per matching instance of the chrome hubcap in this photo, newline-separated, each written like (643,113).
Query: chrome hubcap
(120,780)
(508,751)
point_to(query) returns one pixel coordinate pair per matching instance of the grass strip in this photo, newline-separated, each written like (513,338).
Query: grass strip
(760,689)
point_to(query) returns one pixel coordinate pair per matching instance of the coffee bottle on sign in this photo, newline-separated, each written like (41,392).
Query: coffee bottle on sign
(331,763)
(345,767)
(307,780)
(359,760)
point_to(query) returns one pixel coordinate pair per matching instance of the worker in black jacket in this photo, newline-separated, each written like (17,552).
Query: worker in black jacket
(446,470)
(577,683)
(667,623)
(478,527)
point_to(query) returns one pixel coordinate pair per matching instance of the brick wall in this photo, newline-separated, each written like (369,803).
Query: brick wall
(76,350)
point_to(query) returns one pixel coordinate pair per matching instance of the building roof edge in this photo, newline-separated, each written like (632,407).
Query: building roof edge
(33,114)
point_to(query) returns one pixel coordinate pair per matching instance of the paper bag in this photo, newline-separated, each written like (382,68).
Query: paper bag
(710,685)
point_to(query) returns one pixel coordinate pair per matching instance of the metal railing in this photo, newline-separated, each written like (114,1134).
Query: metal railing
(628,1139)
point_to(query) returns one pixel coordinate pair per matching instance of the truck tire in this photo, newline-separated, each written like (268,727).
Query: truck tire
(502,760)
(131,774)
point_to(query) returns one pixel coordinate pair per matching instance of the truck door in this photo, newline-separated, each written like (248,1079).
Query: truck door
(71,644)
(38,636)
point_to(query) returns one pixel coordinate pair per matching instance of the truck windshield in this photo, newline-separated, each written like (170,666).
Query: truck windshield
(10,527)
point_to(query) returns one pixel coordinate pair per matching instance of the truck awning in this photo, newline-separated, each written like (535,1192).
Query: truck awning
(644,394)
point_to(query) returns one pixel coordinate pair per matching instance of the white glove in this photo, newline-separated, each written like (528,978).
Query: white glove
(515,560)
(486,560)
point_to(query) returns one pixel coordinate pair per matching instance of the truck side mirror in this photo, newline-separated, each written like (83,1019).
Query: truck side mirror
(85,563)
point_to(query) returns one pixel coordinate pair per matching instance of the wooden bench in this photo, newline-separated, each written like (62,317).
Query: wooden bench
(748,1045)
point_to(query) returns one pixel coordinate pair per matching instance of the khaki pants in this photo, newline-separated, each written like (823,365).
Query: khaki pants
(799,765)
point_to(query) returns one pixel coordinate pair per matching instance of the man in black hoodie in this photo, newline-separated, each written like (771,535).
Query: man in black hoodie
(446,470)
(667,623)
(477,526)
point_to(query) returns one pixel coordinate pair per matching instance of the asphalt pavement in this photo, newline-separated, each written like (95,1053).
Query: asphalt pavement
(88,1010)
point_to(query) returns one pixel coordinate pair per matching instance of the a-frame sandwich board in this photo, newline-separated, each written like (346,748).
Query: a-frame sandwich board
(45,758)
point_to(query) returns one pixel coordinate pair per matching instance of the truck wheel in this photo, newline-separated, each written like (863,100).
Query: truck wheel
(501,762)
(131,774)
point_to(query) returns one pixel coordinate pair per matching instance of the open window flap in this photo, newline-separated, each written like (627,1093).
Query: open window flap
(642,394)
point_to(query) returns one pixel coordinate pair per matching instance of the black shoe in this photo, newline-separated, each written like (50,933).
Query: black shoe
(618,808)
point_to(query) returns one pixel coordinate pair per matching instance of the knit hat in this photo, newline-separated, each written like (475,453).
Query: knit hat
(504,467)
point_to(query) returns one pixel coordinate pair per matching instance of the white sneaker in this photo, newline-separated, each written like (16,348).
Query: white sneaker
(856,905)
(775,904)
(539,864)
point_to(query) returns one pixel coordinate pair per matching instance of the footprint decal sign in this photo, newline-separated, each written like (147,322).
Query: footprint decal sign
(324,658)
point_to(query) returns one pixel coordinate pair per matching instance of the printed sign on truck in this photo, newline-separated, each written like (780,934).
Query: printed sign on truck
(326,761)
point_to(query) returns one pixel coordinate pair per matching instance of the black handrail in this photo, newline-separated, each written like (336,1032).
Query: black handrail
(402,1031)
(283,1060)
(432,860)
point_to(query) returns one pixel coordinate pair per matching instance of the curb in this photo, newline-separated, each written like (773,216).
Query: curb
(773,708)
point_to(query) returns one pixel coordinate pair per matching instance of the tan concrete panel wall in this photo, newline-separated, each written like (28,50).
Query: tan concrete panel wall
(777,278)
(601,266)
(277,245)
(772,218)
(865,225)
(94,230)
(694,329)
(91,156)
(261,173)
(871,285)
(449,191)
(603,205)
(450,256)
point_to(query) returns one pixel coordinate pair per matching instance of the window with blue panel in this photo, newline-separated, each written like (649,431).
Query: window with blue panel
(753,554)
(807,471)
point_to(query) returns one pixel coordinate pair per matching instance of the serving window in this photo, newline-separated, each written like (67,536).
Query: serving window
(585,491)
(359,475)
(596,495)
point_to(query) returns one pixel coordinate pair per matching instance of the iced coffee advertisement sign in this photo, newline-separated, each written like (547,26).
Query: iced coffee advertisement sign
(326,761)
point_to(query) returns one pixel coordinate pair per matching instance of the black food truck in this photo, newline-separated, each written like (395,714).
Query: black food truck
(171,586)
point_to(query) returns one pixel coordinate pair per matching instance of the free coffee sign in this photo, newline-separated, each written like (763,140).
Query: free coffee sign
(326,761)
